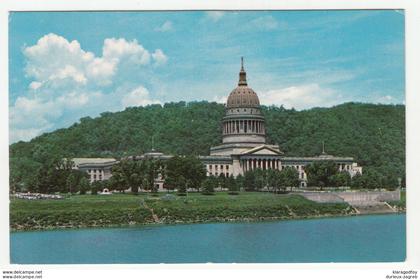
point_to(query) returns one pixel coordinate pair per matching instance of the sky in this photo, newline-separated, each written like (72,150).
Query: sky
(67,65)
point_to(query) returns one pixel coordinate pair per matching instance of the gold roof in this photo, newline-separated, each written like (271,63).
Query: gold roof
(243,96)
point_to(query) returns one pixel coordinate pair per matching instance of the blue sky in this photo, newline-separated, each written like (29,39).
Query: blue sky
(67,65)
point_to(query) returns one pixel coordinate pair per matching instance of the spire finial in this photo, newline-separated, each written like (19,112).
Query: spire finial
(242,74)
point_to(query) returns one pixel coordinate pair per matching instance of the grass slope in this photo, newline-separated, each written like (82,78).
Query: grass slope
(123,209)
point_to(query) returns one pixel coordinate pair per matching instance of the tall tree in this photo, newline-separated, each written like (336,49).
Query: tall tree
(233,185)
(290,178)
(319,173)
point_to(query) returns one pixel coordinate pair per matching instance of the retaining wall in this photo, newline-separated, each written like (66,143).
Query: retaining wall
(353,198)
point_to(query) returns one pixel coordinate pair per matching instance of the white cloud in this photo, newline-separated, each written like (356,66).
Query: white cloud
(69,82)
(27,134)
(301,97)
(387,99)
(215,16)
(118,49)
(35,85)
(220,100)
(138,97)
(53,57)
(159,57)
(69,72)
(32,114)
(165,27)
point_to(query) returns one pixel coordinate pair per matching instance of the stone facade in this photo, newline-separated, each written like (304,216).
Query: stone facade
(98,169)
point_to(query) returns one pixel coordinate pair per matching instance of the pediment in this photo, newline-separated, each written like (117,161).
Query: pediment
(262,150)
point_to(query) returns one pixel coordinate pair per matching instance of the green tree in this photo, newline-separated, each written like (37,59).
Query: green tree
(260,179)
(319,173)
(249,181)
(341,179)
(221,181)
(290,178)
(72,183)
(84,185)
(96,187)
(190,168)
(181,185)
(208,185)
(233,185)
(240,180)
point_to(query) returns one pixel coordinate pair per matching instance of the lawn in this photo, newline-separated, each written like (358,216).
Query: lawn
(125,209)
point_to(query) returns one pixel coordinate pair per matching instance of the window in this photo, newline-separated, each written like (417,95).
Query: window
(221,167)
(100,177)
(227,167)
(210,167)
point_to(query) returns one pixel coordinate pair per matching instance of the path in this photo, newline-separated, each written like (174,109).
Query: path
(155,217)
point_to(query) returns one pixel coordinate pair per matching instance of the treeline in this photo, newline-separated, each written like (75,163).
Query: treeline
(186,173)
(373,134)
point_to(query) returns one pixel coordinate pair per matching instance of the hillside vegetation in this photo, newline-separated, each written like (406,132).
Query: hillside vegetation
(373,134)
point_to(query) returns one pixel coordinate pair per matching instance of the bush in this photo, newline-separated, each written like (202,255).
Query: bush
(208,186)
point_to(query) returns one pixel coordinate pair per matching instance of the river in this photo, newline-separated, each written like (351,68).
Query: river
(372,238)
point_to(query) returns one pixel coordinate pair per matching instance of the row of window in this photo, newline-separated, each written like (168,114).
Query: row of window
(94,170)
(96,178)
(218,169)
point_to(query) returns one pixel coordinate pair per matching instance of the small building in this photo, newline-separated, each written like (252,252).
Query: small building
(98,169)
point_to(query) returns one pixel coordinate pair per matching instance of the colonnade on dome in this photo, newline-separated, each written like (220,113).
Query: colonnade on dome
(243,127)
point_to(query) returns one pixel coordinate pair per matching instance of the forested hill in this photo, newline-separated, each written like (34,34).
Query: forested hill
(373,134)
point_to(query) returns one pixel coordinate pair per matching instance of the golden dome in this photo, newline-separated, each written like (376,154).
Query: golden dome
(242,96)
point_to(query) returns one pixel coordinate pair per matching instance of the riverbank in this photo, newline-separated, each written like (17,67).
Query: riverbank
(82,211)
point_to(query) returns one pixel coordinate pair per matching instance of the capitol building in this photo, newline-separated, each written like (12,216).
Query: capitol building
(243,146)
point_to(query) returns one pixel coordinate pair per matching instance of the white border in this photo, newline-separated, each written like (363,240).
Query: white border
(412,15)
